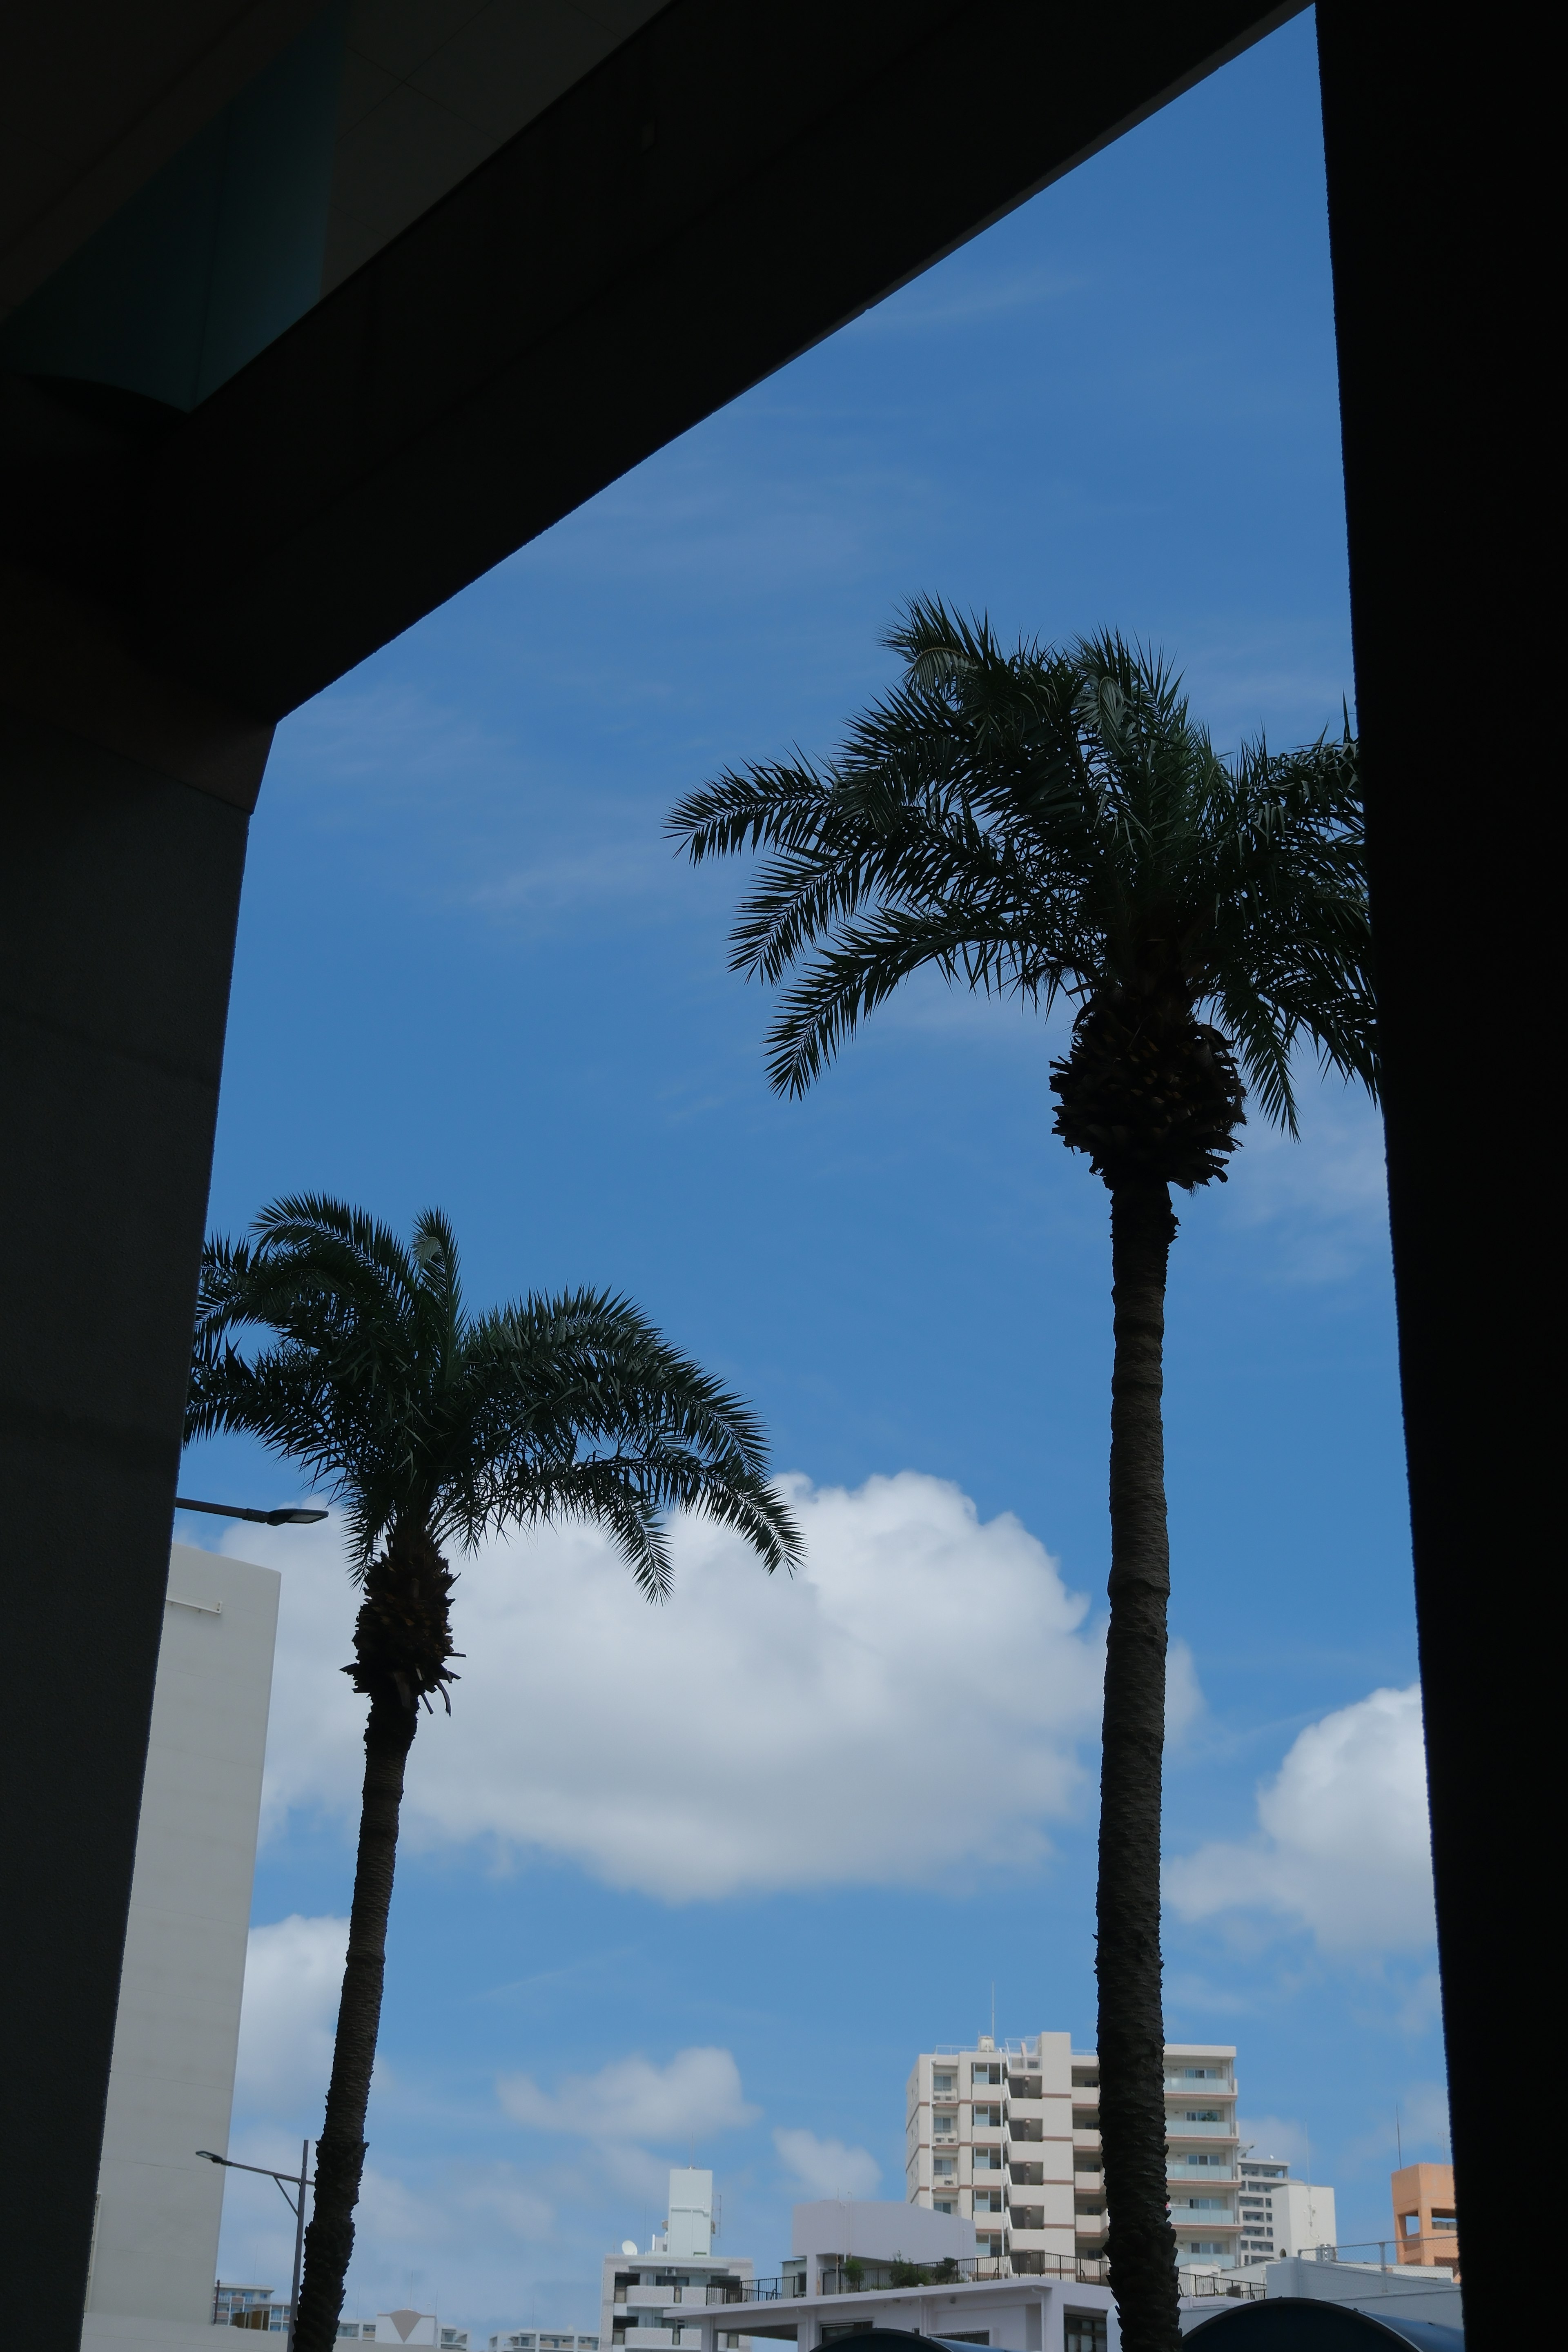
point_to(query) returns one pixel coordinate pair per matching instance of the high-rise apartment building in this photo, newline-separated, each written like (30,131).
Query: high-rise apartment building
(1008,2133)
(1280,2216)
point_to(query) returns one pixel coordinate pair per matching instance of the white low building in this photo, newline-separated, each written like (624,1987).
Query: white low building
(854,2266)
(543,2340)
(171,2084)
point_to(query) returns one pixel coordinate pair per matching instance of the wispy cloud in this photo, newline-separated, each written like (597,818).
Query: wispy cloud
(698,2092)
(826,2168)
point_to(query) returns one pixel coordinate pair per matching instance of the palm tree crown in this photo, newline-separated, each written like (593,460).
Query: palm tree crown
(383,1387)
(1050,822)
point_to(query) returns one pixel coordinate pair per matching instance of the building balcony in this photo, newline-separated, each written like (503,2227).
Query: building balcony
(1180,2126)
(1083,2139)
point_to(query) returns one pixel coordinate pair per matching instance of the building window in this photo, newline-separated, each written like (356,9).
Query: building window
(1084,2331)
(988,2200)
(944,2085)
(944,2168)
(989,2116)
(985,2073)
(944,2126)
(945,2205)
(1445,2220)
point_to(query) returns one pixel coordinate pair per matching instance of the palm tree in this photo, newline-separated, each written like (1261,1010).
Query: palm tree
(431,1426)
(1052,823)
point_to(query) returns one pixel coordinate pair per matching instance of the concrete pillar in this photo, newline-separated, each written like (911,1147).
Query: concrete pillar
(126,801)
(1439,220)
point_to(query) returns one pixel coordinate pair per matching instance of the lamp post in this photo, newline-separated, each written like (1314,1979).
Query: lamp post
(289,1518)
(299,2182)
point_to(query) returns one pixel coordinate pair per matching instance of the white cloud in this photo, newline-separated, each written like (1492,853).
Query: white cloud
(755,1733)
(1274,2137)
(697,2094)
(1414,2127)
(826,2168)
(293,1976)
(429,2234)
(1344,1846)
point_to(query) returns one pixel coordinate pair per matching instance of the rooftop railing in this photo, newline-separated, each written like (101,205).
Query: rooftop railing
(852,2275)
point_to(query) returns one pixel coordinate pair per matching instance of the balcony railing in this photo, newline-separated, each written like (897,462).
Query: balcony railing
(853,2277)
(1202,2284)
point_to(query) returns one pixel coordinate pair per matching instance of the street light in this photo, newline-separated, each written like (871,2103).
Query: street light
(291,1518)
(301,2181)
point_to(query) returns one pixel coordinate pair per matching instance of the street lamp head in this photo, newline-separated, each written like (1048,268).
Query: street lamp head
(290,1518)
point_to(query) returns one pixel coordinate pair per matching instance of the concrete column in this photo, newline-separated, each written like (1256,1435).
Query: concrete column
(1439,217)
(126,801)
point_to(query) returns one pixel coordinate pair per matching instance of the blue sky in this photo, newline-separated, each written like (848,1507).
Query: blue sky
(471,972)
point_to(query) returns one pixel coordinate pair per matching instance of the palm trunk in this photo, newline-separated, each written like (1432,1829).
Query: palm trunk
(1140,2240)
(340,2152)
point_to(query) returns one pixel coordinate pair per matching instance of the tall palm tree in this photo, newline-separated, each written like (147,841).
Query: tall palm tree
(434,1426)
(1052,823)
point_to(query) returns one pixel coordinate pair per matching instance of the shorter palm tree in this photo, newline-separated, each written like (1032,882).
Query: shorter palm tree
(432,1427)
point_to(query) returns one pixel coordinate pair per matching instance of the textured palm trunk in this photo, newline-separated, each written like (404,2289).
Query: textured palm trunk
(1140,2240)
(340,2152)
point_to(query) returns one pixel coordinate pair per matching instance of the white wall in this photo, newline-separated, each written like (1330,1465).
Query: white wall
(1303,2216)
(171,2085)
(881,2231)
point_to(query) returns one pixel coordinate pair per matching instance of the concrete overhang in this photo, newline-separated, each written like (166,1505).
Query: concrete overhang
(693,197)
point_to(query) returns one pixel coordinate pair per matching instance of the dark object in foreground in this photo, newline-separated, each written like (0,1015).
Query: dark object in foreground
(1301,2324)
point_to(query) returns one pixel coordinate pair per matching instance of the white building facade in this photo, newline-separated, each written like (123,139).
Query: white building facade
(1007,2133)
(1280,2216)
(665,2300)
(171,2085)
(543,2340)
(860,2265)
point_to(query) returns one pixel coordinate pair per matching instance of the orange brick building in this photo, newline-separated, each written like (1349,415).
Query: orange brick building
(1424,2221)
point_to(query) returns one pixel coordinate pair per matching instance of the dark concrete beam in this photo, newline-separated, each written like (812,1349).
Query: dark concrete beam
(722,191)
(96,97)
(123,804)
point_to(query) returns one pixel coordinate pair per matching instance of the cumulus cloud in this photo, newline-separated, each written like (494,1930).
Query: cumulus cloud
(293,1976)
(754,1734)
(826,2168)
(697,2093)
(1342,1846)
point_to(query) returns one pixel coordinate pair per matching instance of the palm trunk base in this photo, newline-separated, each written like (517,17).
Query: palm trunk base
(328,2244)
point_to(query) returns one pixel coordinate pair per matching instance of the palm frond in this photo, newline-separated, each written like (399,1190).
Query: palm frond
(1046,820)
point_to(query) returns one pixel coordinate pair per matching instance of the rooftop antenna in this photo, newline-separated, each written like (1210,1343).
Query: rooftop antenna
(1398,2140)
(994,2011)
